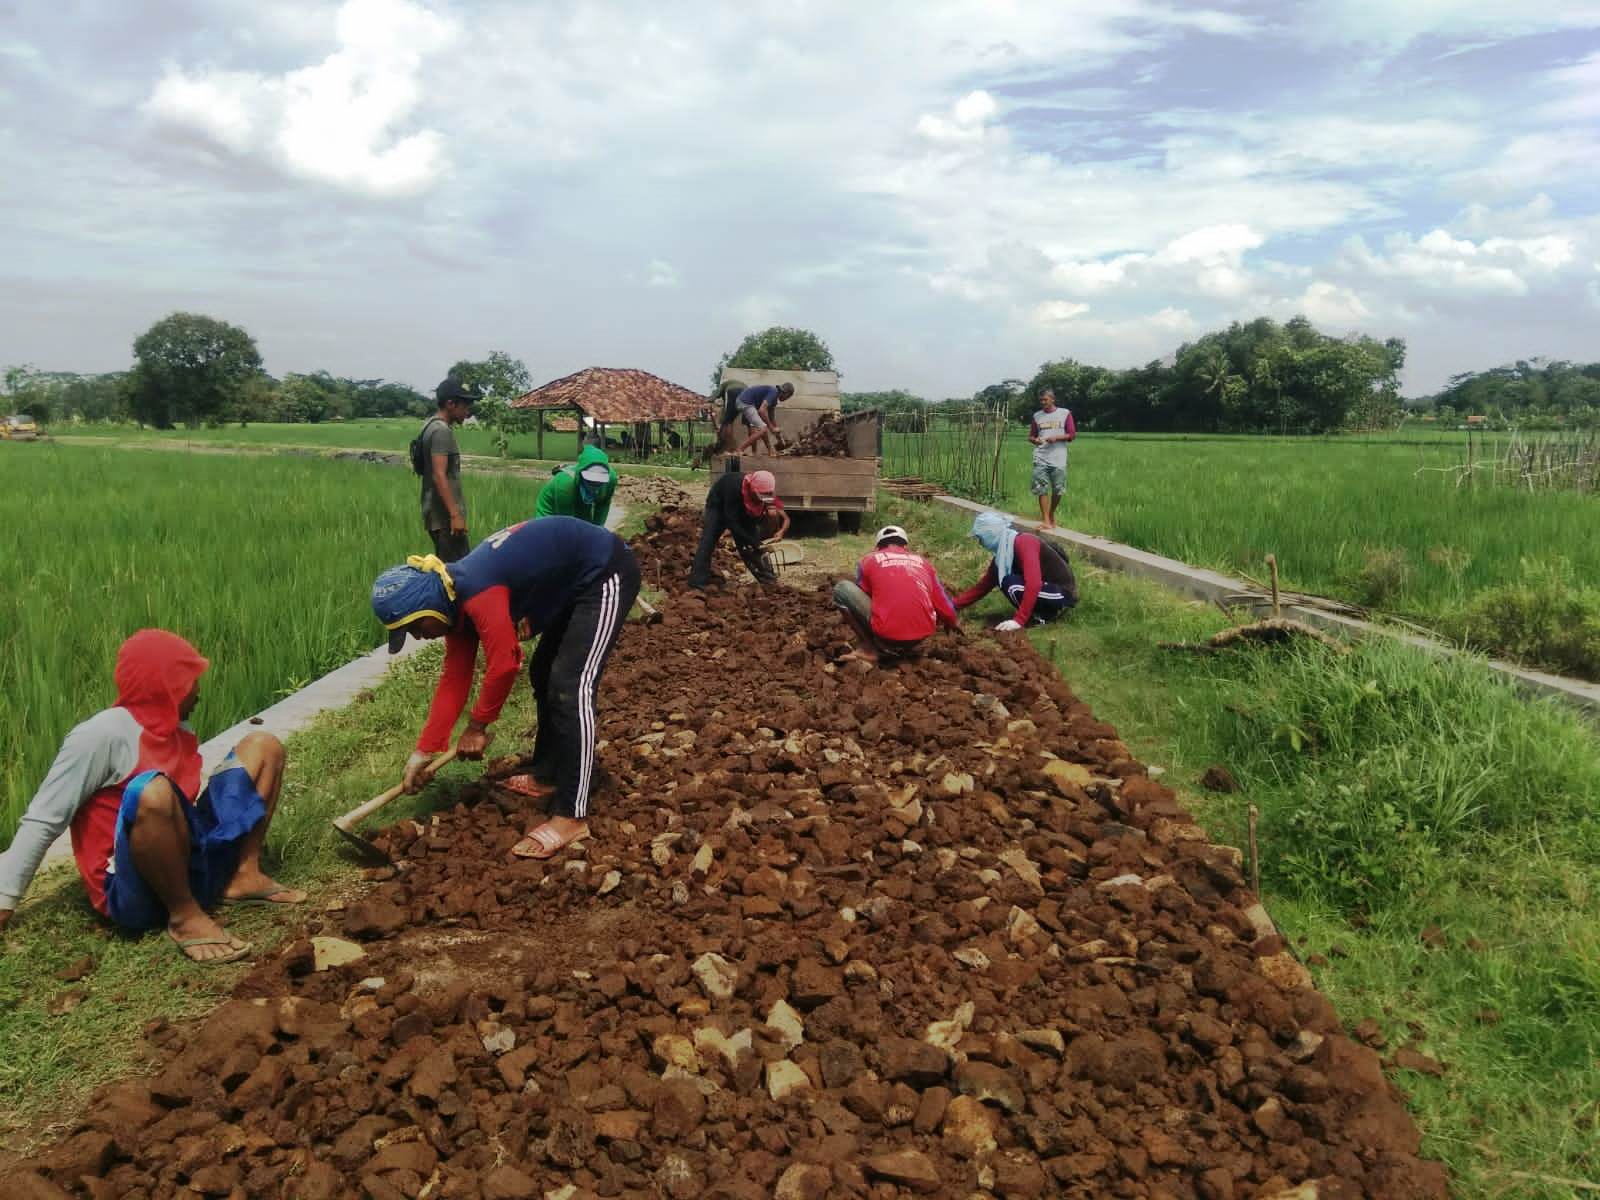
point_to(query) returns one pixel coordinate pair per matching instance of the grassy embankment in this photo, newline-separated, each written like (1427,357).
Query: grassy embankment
(1397,792)
(264,565)
(1378,521)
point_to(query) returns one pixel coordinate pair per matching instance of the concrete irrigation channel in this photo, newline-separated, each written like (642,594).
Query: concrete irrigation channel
(838,932)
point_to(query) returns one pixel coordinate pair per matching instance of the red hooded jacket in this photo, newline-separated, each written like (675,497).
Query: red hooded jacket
(155,672)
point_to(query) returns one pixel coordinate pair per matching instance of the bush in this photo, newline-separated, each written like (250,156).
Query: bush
(1382,577)
(1548,620)
(1430,758)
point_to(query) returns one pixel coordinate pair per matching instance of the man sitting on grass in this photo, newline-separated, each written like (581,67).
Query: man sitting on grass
(123,781)
(896,601)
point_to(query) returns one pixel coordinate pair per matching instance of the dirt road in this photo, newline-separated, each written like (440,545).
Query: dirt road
(925,931)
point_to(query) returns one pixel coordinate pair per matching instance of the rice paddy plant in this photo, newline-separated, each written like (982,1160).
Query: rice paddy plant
(263,563)
(1360,519)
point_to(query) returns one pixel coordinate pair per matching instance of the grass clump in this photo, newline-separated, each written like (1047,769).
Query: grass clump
(1546,618)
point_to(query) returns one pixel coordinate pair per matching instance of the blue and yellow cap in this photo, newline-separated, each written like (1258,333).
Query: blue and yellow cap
(422,587)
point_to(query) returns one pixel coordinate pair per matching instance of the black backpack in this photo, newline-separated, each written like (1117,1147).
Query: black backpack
(419,451)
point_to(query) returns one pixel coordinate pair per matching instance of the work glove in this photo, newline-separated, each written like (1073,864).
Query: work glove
(1007,627)
(417,773)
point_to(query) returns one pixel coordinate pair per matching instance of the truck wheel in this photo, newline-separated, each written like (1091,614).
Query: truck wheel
(849,522)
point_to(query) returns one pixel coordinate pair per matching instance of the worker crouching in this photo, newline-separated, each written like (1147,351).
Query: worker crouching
(896,601)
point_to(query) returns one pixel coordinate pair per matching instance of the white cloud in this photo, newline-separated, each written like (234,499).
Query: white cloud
(1053,311)
(1329,304)
(662,274)
(1437,260)
(336,122)
(968,121)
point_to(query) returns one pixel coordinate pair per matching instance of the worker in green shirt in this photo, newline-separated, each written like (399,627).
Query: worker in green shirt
(582,489)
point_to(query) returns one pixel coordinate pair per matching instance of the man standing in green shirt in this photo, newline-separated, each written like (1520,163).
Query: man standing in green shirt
(444,510)
(582,489)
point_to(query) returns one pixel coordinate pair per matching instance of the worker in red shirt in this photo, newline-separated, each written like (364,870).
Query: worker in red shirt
(563,579)
(1030,573)
(896,600)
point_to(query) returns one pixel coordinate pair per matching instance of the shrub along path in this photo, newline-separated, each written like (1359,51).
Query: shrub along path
(933,928)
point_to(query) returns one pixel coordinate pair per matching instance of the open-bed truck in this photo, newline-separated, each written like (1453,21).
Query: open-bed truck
(813,483)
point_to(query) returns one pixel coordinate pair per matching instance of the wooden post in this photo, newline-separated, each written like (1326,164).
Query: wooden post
(540,415)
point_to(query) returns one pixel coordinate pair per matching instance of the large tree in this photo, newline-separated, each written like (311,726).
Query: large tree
(190,368)
(780,348)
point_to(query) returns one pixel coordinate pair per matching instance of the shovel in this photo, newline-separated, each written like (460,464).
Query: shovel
(346,825)
(652,614)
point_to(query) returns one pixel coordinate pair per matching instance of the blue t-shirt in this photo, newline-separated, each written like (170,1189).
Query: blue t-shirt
(544,564)
(762,393)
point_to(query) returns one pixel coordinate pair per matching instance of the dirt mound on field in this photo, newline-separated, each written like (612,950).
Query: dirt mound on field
(838,933)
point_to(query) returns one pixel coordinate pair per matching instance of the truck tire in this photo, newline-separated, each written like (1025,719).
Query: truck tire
(849,522)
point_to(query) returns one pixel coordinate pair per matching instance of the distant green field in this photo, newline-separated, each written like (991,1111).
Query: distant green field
(265,564)
(1377,520)
(389,433)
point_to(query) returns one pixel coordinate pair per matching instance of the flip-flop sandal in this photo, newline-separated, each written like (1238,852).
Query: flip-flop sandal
(265,896)
(239,949)
(551,841)
(526,785)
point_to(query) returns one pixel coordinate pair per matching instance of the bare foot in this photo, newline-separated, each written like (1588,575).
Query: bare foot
(215,944)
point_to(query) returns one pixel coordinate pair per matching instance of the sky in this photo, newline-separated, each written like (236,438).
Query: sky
(949,192)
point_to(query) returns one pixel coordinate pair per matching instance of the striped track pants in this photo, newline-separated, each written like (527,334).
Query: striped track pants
(565,673)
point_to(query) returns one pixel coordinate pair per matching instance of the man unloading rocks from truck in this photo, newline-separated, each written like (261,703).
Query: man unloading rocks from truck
(758,409)
(739,503)
(572,584)
(896,601)
(1029,572)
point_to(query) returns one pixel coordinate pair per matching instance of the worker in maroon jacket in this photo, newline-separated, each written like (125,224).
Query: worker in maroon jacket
(1032,574)
(569,582)
(896,600)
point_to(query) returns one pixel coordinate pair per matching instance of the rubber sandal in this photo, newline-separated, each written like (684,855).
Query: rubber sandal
(265,896)
(526,785)
(184,945)
(551,841)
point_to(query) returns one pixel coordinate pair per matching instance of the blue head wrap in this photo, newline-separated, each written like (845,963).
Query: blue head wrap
(994,534)
(420,588)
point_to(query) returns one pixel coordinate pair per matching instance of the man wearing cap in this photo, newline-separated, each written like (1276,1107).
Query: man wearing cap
(582,489)
(444,510)
(572,584)
(896,600)
(738,503)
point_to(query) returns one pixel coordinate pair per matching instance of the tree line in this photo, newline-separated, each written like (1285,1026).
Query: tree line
(1252,377)
(1530,392)
(195,370)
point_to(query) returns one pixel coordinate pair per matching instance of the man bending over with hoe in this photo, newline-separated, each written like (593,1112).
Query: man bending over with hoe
(896,600)
(738,503)
(1030,573)
(152,847)
(567,581)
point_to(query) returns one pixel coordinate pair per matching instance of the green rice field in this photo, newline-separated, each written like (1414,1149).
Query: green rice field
(1379,521)
(263,563)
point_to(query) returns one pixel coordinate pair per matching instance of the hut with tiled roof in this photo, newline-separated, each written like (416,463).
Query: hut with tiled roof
(621,397)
